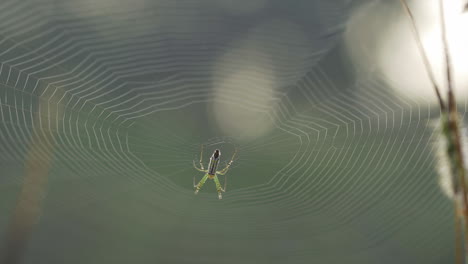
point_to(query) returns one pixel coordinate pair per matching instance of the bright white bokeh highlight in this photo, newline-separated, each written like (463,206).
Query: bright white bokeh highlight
(244,94)
(248,77)
(382,41)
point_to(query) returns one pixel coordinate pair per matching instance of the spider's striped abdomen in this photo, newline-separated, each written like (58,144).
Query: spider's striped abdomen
(214,162)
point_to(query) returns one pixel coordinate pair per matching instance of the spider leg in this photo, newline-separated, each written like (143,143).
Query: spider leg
(201,158)
(225,183)
(225,170)
(218,187)
(198,169)
(200,183)
(195,166)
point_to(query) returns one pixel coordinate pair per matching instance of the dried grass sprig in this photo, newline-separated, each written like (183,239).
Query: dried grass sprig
(451,149)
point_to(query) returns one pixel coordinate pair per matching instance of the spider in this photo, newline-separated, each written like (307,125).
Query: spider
(211,172)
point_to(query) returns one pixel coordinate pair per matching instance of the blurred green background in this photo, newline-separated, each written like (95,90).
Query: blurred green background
(333,165)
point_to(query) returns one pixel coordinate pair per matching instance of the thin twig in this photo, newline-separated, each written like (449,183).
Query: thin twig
(451,101)
(422,53)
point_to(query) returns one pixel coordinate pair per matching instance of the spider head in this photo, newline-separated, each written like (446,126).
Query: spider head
(216,154)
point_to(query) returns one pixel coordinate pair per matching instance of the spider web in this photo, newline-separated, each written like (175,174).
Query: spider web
(332,167)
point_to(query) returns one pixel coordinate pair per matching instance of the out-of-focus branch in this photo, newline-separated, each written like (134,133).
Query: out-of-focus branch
(28,208)
(38,162)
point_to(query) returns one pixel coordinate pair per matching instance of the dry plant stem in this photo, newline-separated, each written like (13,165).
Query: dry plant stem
(454,125)
(453,116)
(453,133)
(423,54)
(458,238)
